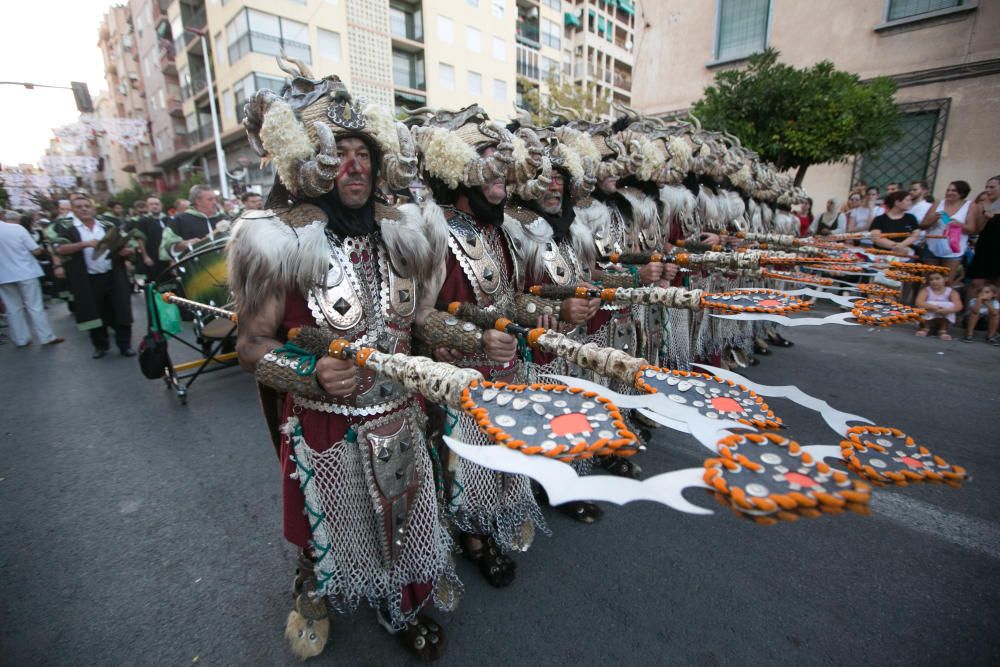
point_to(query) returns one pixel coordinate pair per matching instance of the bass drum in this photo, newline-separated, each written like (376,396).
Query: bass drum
(204,277)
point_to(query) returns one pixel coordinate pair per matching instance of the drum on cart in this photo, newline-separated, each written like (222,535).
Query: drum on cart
(204,277)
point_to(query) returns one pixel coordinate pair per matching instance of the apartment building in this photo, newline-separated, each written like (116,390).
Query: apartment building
(400,53)
(943,54)
(126,98)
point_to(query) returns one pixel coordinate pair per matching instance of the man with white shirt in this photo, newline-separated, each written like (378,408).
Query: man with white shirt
(20,289)
(99,283)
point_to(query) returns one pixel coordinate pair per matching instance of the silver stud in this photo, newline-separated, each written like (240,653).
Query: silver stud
(770,459)
(490,394)
(519,403)
(506,421)
(503,399)
(877,463)
(676,399)
(541,398)
(529,430)
(758,490)
(539,409)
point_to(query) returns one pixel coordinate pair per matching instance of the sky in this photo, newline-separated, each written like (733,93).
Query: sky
(48,42)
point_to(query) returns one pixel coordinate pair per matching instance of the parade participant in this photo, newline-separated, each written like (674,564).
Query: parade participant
(115,214)
(192,226)
(180,206)
(151,226)
(359,497)
(252,201)
(99,283)
(466,157)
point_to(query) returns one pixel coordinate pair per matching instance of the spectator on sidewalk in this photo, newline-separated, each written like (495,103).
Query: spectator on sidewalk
(831,221)
(101,293)
(806,218)
(985,267)
(954,218)
(941,303)
(984,304)
(896,220)
(20,288)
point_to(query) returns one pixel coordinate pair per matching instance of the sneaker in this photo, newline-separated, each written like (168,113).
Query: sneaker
(994,340)
(966,339)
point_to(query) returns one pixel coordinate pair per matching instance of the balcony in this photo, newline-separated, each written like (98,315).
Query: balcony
(528,33)
(195,86)
(175,107)
(527,63)
(167,55)
(406,22)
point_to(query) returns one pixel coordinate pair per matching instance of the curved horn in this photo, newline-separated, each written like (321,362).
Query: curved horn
(284,67)
(303,68)
(733,138)
(523,116)
(694,119)
(419,111)
(486,169)
(535,173)
(399,169)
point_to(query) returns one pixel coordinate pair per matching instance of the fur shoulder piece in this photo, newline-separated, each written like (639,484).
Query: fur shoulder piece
(529,234)
(416,238)
(595,215)
(268,256)
(297,216)
(644,211)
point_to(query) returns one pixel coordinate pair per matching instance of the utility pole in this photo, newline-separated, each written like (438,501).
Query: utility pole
(220,156)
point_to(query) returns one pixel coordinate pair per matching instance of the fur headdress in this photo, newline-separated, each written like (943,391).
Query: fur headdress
(299,129)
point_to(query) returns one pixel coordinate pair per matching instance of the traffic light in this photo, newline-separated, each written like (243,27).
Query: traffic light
(82,95)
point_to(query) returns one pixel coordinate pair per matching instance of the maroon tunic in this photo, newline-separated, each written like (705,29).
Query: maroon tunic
(321,431)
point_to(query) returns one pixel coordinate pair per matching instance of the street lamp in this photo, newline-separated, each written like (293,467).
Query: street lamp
(219,154)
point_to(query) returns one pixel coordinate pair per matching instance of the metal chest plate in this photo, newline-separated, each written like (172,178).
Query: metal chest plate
(469,245)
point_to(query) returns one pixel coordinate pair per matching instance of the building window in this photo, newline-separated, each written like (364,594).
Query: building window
(220,52)
(902,9)
(550,68)
(251,30)
(329,45)
(406,21)
(248,85)
(553,4)
(408,70)
(499,49)
(446,29)
(551,33)
(915,155)
(498,7)
(446,76)
(475,83)
(228,104)
(499,90)
(472,41)
(472,3)
(741,29)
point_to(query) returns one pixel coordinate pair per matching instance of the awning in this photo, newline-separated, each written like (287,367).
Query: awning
(627,6)
(569,18)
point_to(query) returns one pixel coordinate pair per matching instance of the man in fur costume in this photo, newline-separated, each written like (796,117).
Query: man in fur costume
(359,497)
(466,158)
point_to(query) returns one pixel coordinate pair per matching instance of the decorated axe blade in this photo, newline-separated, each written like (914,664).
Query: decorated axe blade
(563,485)
(672,414)
(835,419)
(885,312)
(889,456)
(767,475)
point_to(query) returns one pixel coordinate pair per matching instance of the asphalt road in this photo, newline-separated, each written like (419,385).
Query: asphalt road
(137,531)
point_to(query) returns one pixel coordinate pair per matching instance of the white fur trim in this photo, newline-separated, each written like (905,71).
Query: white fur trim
(583,243)
(596,216)
(529,242)
(382,126)
(445,154)
(284,137)
(643,210)
(417,241)
(266,258)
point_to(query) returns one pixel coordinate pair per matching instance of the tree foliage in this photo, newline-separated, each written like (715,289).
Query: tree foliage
(133,193)
(562,92)
(799,117)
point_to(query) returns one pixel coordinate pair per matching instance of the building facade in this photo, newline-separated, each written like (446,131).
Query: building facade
(943,54)
(401,53)
(126,98)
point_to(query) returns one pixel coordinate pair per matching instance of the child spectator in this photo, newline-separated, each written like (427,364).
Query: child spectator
(984,304)
(941,303)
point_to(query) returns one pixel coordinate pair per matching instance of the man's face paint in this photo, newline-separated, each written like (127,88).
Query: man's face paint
(354,180)
(496,190)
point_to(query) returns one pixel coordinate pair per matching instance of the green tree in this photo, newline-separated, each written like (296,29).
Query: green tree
(564,93)
(183,189)
(796,118)
(133,193)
